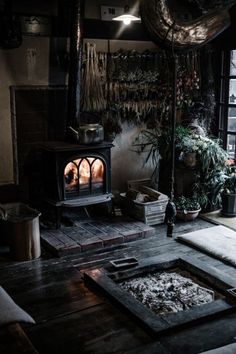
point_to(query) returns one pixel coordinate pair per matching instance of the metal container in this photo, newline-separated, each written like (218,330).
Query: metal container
(91,134)
(88,134)
(20,230)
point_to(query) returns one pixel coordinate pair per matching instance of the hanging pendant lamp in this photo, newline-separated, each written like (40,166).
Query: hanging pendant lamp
(127,17)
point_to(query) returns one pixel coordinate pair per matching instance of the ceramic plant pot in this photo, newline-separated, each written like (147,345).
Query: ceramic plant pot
(186,215)
(190,159)
(228,204)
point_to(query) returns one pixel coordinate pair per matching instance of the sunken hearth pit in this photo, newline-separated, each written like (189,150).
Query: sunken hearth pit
(205,293)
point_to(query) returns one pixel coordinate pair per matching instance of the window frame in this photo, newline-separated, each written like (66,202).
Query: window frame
(223,100)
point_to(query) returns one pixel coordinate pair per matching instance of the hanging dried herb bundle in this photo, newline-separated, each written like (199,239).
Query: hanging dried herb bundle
(139,84)
(136,87)
(93,96)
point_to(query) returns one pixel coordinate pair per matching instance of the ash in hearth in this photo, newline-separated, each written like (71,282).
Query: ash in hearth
(165,292)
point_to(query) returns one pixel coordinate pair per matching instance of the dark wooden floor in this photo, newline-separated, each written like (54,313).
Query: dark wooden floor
(73,319)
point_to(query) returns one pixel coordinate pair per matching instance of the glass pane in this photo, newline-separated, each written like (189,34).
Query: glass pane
(97,176)
(232,91)
(231,140)
(221,118)
(221,136)
(232,119)
(84,174)
(222,62)
(71,177)
(233,62)
(222,91)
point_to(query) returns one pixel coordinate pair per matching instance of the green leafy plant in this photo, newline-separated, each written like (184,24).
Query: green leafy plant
(210,158)
(209,153)
(230,184)
(209,188)
(185,204)
(156,143)
(226,182)
(210,166)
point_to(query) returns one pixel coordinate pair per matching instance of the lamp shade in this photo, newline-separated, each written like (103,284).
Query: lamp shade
(127,17)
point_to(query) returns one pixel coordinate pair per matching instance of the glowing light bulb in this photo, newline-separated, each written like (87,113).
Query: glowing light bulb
(127,21)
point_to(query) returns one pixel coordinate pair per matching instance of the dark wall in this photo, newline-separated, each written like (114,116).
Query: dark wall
(227,39)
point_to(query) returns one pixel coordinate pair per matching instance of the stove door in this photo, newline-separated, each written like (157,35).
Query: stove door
(84,177)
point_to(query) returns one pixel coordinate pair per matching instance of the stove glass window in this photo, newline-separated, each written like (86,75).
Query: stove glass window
(84,176)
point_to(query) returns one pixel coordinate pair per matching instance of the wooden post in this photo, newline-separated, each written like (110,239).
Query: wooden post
(170,209)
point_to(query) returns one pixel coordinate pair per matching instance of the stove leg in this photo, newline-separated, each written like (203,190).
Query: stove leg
(58,214)
(86,212)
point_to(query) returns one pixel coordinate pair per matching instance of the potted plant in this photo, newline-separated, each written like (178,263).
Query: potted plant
(202,154)
(209,153)
(187,208)
(228,193)
(223,187)
(209,159)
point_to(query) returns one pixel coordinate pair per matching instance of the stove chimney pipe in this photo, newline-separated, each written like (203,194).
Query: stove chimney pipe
(74,81)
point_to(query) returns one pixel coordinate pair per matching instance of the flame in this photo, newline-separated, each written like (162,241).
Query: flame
(82,171)
(71,175)
(97,171)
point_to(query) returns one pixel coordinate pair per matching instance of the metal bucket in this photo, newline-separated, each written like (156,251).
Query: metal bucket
(20,230)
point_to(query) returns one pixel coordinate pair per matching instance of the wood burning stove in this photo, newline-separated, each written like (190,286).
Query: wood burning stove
(76,175)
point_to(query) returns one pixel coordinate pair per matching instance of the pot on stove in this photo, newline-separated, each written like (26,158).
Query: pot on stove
(88,133)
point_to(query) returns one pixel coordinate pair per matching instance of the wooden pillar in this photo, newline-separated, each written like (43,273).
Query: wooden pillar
(74,81)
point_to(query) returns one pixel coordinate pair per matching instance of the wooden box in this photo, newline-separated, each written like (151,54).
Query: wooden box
(152,212)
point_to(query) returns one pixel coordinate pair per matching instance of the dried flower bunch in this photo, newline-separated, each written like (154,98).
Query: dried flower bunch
(188,85)
(139,85)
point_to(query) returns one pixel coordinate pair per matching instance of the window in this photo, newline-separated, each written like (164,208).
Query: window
(227,106)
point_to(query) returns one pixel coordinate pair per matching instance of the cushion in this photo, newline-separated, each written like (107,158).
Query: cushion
(10,312)
(227,349)
(220,241)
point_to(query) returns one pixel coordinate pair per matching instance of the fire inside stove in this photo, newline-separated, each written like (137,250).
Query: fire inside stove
(167,292)
(84,176)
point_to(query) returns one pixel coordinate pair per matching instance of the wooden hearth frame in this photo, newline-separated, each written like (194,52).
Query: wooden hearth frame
(106,282)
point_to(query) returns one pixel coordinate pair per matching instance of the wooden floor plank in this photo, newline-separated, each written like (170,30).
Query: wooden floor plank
(14,340)
(101,329)
(69,315)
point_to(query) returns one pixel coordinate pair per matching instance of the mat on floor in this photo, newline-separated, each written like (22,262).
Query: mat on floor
(217,218)
(219,241)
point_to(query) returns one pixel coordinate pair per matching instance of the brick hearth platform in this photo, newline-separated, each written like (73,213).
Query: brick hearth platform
(94,234)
